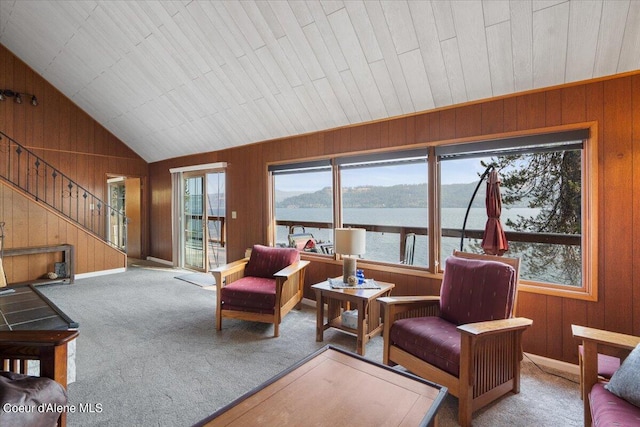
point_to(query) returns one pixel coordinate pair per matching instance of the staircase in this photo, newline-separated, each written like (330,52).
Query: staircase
(31,174)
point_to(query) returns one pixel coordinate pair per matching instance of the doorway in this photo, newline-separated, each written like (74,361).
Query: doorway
(124,230)
(203,236)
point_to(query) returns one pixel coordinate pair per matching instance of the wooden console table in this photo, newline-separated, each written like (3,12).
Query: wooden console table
(66,249)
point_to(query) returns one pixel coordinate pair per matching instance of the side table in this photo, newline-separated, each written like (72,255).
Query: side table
(338,300)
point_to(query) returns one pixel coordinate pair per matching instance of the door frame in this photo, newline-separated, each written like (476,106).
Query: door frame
(141,217)
(177,210)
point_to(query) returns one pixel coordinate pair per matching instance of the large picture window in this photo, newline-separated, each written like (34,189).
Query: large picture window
(541,187)
(548,186)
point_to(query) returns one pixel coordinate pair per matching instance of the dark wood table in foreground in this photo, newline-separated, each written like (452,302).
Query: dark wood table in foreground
(333,387)
(23,307)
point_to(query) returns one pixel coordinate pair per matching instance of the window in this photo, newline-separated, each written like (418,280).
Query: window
(387,195)
(545,197)
(303,205)
(549,185)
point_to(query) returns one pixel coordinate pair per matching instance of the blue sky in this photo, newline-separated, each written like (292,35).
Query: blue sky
(452,172)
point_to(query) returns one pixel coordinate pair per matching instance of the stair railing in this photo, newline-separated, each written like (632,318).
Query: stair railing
(29,172)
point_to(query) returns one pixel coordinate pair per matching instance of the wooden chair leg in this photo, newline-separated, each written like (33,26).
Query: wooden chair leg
(219,319)
(581,366)
(464,412)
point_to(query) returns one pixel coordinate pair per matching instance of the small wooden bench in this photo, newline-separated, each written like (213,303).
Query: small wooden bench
(66,249)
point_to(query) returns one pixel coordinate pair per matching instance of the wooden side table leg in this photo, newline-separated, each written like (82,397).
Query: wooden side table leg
(319,316)
(362,320)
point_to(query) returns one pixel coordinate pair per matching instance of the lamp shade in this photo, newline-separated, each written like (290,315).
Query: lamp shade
(350,241)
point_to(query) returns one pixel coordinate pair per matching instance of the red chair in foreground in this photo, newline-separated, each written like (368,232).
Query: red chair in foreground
(466,339)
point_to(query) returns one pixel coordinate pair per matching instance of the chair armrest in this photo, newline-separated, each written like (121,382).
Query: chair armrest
(399,307)
(495,326)
(232,267)
(606,338)
(400,300)
(594,341)
(226,270)
(292,269)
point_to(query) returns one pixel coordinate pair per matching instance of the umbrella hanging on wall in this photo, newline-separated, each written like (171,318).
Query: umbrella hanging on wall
(494,241)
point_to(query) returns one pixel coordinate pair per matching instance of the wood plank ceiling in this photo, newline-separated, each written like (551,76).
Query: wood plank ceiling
(171,78)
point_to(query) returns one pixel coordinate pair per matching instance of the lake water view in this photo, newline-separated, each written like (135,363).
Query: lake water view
(386,246)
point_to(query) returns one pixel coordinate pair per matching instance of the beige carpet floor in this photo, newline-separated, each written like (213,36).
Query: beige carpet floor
(149,354)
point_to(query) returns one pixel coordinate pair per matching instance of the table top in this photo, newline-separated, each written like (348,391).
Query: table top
(335,387)
(363,293)
(23,307)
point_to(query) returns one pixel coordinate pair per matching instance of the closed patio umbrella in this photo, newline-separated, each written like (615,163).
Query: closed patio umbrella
(494,241)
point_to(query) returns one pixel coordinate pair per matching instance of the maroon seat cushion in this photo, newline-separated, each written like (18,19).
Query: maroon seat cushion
(265,261)
(607,365)
(431,339)
(476,290)
(608,409)
(29,392)
(256,294)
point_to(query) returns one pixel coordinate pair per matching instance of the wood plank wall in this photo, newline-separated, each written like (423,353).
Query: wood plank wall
(613,103)
(21,212)
(69,139)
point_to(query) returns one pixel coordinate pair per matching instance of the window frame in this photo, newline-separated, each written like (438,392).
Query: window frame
(382,159)
(589,199)
(304,166)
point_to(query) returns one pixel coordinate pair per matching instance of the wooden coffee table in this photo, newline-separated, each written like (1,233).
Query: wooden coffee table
(333,387)
(338,300)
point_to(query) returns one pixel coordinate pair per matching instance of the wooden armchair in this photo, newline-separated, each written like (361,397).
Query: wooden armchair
(465,339)
(49,347)
(261,288)
(593,342)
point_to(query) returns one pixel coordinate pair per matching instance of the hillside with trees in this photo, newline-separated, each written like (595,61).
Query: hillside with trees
(396,196)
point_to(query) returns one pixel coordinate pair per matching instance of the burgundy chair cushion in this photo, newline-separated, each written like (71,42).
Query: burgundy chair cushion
(256,294)
(608,409)
(265,261)
(30,392)
(607,365)
(476,290)
(431,339)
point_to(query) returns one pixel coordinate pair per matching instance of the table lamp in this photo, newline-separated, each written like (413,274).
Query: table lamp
(349,242)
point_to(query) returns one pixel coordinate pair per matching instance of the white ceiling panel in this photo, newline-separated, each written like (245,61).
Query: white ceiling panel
(522,44)
(455,73)
(584,24)
(214,75)
(392,70)
(472,45)
(630,53)
(500,58)
(550,25)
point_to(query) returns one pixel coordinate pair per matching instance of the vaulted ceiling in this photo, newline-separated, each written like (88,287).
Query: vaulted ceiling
(171,78)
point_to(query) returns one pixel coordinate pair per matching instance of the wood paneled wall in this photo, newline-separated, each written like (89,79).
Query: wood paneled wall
(66,137)
(613,103)
(46,228)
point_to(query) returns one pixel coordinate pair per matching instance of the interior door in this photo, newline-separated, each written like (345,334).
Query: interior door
(194,242)
(132,197)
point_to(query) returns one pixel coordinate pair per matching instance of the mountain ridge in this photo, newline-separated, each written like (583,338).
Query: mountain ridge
(396,196)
